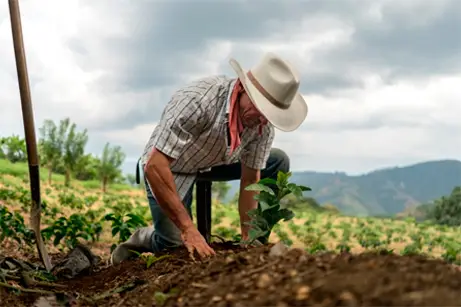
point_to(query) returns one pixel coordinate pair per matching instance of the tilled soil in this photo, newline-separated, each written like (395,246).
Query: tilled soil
(254,277)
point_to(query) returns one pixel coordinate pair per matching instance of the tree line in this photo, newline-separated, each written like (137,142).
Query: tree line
(62,150)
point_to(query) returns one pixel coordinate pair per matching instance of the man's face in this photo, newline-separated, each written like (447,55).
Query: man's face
(249,114)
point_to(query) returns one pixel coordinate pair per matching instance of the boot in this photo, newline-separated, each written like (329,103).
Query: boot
(140,241)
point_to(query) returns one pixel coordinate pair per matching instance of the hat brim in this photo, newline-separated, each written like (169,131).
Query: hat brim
(283,119)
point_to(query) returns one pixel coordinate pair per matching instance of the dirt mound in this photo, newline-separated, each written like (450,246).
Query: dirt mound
(254,277)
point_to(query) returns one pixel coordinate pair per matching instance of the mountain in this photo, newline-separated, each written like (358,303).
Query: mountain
(381,192)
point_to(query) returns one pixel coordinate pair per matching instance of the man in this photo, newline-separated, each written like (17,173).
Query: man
(217,129)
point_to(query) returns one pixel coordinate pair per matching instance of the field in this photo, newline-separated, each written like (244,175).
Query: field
(332,260)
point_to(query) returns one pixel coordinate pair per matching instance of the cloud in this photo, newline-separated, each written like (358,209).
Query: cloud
(431,104)
(403,43)
(385,130)
(381,77)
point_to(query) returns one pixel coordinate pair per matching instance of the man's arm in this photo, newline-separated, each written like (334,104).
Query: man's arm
(254,158)
(182,120)
(158,171)
(246,200)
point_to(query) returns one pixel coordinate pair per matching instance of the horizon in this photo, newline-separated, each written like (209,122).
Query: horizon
(390,167)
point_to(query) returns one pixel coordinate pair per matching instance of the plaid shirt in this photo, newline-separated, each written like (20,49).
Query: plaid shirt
(194,131)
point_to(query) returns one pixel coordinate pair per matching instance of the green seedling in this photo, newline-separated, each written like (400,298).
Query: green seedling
(269,211)
(150,258)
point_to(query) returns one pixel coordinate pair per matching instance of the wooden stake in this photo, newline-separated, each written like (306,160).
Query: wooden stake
(203,208)
(29,129)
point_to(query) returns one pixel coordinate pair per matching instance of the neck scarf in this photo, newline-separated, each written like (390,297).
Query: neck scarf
(235,124)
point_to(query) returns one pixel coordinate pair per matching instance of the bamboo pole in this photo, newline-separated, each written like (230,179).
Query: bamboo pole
(29,129)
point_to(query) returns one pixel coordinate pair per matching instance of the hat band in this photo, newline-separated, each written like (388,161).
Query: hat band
(265,93)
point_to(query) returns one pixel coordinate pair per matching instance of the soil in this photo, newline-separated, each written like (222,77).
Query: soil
(254,277)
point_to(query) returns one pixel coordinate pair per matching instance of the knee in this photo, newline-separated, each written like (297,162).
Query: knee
(281,159)
(164,239)
(166,234)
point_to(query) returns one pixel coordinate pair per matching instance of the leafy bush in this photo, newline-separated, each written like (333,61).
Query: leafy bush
(447,210)
(12,226)
(71,229)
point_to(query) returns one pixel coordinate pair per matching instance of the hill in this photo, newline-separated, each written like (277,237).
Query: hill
(381,192)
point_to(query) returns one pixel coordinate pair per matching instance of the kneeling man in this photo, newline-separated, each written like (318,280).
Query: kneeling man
(218,129)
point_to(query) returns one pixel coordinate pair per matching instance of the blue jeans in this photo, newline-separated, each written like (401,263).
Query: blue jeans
(167,235)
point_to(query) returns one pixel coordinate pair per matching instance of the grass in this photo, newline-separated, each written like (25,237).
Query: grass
(22,170)
(311,230)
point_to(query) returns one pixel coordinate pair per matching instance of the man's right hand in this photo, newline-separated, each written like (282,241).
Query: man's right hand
(194,241)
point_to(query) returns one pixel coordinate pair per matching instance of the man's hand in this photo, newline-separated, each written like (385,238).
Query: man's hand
(194,241)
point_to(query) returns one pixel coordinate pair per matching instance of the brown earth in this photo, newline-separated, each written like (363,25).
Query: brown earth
(252,277)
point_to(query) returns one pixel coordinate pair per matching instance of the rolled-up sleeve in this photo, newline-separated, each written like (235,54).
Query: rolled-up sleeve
(256,153)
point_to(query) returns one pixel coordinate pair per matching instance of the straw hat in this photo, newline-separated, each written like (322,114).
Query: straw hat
(273,85)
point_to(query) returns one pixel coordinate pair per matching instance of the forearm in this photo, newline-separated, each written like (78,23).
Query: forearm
(246,198)
(246,203)
(164,189)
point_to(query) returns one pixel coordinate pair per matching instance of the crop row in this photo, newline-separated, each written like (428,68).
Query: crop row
(69,217)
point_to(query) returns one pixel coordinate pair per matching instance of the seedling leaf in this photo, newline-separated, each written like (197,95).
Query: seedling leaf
(259,187)
(267,181)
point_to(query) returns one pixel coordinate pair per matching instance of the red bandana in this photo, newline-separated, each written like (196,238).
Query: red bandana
(235,124)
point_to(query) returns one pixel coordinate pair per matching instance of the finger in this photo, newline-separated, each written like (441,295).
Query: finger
(190,249)
(203,253)
(202,248)
(191,255)
(208,250)
(211,250)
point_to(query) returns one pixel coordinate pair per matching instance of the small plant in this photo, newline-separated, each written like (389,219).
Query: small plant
(150,258)
(7,194)
(343,247)
(124,225)
(283,235)
(90,200)
(313,240)
(71,229)
(12,226)
(269,211)
(69,199)
(160,297)
(415,247)
(217,218)
(452,253)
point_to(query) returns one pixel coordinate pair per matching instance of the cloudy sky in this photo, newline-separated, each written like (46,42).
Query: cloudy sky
(382,78)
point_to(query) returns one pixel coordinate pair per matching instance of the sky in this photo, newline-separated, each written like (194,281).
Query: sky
(382,78)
